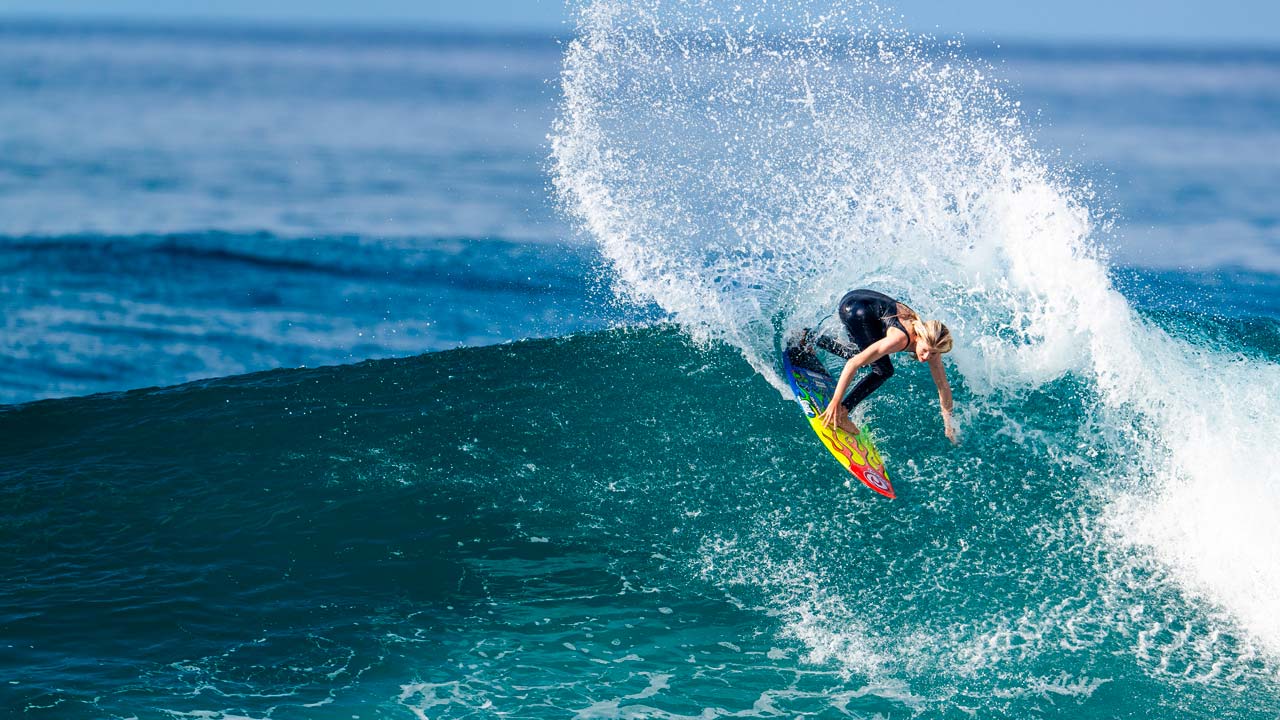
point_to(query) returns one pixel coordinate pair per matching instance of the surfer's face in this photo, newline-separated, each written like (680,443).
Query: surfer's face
(923,351)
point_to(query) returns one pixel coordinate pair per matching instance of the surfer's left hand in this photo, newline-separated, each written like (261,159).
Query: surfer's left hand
(953,433)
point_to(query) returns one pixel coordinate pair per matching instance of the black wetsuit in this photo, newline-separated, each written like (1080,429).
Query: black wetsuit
(867,315)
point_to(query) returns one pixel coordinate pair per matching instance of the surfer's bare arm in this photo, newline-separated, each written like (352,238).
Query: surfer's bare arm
(891,343)
(939,374)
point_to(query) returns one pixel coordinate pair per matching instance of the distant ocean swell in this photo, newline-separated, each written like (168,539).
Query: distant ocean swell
(88,312)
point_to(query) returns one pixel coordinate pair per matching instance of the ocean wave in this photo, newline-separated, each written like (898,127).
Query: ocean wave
(743,186)
(475,263)
(613,506)
(88,313)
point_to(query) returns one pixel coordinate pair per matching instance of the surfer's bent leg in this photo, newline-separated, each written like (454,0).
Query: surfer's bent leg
(864,329)
(881,370)
(835,347)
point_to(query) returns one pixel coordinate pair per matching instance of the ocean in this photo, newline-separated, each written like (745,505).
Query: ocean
(361,373)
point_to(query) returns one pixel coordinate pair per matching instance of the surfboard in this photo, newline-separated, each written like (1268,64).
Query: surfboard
(813,387)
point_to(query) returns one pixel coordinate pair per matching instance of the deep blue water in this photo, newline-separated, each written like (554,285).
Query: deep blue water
(338,187)
(613,519)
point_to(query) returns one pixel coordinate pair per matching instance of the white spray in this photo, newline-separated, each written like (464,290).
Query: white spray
(743,168)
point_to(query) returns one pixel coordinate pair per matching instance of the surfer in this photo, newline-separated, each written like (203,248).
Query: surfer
(881,326)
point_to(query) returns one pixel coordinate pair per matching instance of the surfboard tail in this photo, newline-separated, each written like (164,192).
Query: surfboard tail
(858,455)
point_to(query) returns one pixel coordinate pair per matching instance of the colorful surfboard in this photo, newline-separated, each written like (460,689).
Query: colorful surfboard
(813,387)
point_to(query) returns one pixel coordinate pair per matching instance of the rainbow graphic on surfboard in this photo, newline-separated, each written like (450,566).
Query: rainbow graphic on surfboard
(813,387)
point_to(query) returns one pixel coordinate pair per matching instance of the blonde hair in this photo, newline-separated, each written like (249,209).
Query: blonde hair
(934,333)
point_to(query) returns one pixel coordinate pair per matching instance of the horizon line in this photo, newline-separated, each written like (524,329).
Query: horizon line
(566,31)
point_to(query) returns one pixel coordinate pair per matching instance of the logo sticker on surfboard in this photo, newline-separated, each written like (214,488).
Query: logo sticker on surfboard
(877,480)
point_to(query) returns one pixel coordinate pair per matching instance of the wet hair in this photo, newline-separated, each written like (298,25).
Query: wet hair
(937,335)
(933,332)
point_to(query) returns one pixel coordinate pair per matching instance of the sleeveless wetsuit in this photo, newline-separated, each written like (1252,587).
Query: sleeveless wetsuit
(867,315)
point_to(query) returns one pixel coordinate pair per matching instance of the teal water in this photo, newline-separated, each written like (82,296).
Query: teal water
(612,524)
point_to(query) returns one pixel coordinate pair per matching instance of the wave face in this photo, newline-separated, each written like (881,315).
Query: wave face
(613,524)
(744,169)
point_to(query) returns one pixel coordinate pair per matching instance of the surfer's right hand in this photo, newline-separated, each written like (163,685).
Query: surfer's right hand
(831,416)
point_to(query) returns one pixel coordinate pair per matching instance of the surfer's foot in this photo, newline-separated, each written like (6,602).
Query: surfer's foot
(802,340)
(847,425)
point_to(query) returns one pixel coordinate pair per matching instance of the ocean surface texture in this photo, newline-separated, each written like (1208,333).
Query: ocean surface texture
(512,440)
